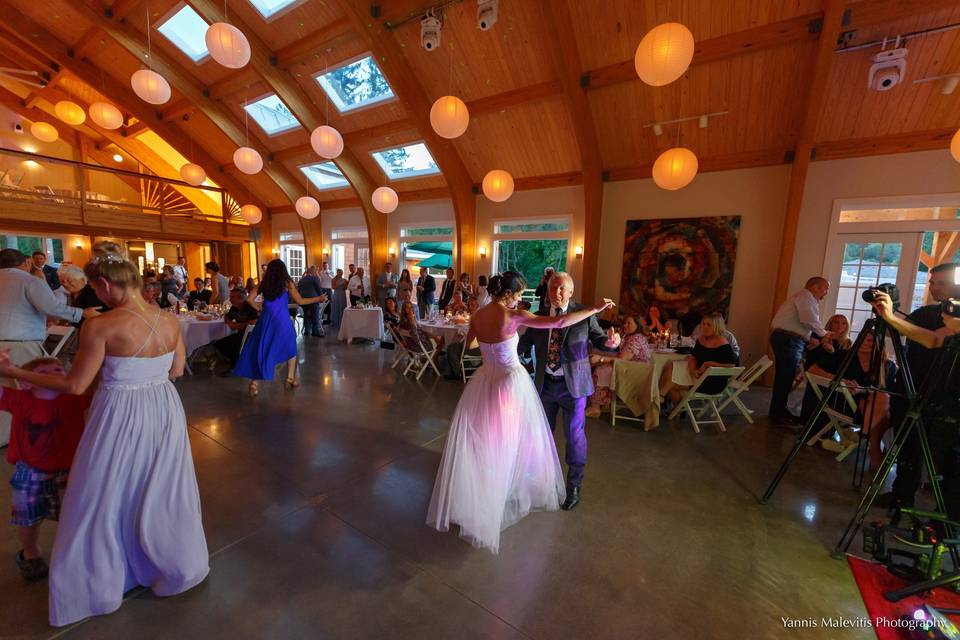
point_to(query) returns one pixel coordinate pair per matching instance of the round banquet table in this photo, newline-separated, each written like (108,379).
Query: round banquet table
(449,332)
(361,323)
(197,333)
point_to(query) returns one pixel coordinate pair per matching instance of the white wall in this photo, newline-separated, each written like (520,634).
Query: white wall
(922,173)
(757,195)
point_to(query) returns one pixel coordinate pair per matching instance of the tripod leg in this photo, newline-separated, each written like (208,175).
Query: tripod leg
(920,587)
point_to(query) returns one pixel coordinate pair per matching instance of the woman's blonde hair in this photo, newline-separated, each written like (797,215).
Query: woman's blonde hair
(108,263)
(717,322)
(846,342)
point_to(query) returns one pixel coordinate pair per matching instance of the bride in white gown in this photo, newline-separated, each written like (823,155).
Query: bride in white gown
(131,512)
(500,461)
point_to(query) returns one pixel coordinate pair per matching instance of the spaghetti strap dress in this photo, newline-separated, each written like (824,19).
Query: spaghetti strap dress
(273,341)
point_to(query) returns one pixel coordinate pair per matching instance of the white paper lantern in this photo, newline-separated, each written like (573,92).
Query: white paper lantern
(193,173)
(664,54)
(106,116)
(247,160)
(307,208)
(675,168)
(227,45)
(449,117)
(251,213)
(44,132)
(150,86)
(70,112)
(955,146)
(385,200)
(327,142)
(497,185)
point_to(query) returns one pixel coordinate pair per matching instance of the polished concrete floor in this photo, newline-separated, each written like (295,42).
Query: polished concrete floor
(314,503)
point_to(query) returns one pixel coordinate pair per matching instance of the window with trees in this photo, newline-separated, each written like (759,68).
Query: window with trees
(530,246)
(408,161)
(357,84)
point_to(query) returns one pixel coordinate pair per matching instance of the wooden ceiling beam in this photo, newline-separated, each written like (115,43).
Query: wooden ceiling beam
(884,145)
(319,40)
(32,37)
(725,162)
(865,13)
(234,82)
(134,43)
(178,109)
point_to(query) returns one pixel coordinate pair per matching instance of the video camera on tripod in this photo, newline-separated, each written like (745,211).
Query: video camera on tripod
(951,307)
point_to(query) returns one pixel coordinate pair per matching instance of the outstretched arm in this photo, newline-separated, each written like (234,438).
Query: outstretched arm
(527,319)
(883,305)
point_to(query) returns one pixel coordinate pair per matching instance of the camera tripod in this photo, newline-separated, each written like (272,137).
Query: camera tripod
(918,400)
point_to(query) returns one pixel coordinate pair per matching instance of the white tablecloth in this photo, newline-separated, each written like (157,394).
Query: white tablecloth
(642,381)
(449,332)
(197,333)
(361,323)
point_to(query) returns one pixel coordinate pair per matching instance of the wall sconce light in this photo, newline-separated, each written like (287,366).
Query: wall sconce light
(393,252)
(483,252)
(78,247)
(578,251)
(276,251)
(326,251)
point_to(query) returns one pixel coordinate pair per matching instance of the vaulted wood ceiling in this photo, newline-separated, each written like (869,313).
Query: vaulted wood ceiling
(753,61)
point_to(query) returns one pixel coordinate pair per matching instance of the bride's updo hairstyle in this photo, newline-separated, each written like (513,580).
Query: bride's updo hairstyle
(506,284)
(108,263)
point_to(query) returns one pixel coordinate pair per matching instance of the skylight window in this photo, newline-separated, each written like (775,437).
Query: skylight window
(324,175)
(356,85)
(272,115)
(409,161)
(186,29)
(269,8)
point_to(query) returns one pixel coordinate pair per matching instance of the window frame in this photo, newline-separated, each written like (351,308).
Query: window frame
(279,13)
(403,145)
(297,124)
(177,8)
(303,167)
(369,105)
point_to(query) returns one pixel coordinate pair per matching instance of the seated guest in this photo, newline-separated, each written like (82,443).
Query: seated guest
(235,282)
(391,315)
(169,287)
(483,298)
(151,293)
(655,320)
(81,294)
(832,346)
(409,324)
(726,334)
(464,286)
(241,314)
(199,294)
(633,347)
(711,350)
(456,304)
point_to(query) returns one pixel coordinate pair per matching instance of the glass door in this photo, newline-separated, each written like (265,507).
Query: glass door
(863,261)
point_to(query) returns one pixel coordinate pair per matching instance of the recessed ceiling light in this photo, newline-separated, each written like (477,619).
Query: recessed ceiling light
(117,157)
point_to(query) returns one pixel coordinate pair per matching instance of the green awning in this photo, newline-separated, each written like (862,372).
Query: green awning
(432,247)
(437,261)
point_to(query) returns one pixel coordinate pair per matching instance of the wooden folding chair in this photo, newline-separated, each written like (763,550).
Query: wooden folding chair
(844,424)
(469,365)
(742,383)
(707,401)
(62,333)
(421,358)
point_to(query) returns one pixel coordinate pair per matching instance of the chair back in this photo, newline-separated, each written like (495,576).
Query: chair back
(719,372)
(754,371)
(63,333)
(821,384)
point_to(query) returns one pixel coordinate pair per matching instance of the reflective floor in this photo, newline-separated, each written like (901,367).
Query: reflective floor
(314,503)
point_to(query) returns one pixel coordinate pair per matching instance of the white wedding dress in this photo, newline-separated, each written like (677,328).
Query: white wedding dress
(131,513)
(500,461)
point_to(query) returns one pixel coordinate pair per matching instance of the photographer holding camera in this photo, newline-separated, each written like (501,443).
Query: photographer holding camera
(941,415)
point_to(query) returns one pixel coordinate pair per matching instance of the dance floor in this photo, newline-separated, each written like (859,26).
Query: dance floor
(314,503)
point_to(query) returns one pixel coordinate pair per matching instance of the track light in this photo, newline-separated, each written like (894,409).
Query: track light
(704,121)
(657,129)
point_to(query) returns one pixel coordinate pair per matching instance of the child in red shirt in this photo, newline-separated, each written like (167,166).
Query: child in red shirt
(44,435)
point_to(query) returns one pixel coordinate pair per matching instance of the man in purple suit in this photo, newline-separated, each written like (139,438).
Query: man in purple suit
(563,376)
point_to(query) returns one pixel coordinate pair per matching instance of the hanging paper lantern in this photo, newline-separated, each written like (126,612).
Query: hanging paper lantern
(664,54)
(106,116)
(449,117)
(955,146)
(44,132)
(675,168)
(193,173)
(327,142)
(227,45)
(247,160)
(251,213)
(150,86)
(307,208)
(385,200)
(70,112)
(497,185)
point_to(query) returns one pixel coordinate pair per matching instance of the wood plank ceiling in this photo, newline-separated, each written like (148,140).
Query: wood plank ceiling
(752,61)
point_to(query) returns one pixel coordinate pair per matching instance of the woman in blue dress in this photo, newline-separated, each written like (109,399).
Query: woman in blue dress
(273,339)
(339,298)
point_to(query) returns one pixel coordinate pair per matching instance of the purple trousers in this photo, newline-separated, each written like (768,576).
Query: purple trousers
(555,396)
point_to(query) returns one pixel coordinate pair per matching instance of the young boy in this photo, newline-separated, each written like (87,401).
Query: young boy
(44,435)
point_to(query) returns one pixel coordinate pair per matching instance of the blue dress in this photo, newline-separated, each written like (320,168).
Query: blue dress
(272,342)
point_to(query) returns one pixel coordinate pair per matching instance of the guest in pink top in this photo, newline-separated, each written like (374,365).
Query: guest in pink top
(634,347)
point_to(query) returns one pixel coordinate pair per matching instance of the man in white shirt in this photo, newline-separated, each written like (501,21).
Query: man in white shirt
(359,287)
(793,323)
(180,275)
(387,284)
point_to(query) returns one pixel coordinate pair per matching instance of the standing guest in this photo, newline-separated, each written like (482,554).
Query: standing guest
(181,276)
(391,314)
(250,284)
(131,513)
(793,323)
(465,287)
(483,297)
(272,340)
(359,287)
(654,322)
(310,287)
(219,287)
(387,284)
(446,293)
(426,289)
(711,350)
(149,273)
(563,377)
(543,288)
(339,298)
(46,430)
(326,277)
(169,287)
(49,273)
(351,271)
(633,347)
(405,286)
(200,294)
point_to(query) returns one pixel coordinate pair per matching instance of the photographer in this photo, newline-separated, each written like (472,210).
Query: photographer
(920,360)
(941,415)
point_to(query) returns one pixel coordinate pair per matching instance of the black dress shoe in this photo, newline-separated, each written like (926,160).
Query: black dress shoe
(573,499)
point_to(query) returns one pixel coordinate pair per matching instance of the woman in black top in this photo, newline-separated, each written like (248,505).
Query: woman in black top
(711,350)
(391,315)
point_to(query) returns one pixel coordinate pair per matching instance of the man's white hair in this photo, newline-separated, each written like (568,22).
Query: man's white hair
(566,276)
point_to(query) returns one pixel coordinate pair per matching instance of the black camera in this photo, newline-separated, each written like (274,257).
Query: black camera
(870,295)
(950,308)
